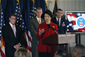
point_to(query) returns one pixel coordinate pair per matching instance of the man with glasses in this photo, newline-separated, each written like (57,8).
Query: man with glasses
(13,36)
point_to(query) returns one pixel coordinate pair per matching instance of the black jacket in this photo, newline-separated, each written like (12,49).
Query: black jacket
(61,29)
(11,40)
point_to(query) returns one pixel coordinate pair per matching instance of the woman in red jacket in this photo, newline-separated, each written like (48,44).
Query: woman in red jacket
(44,31)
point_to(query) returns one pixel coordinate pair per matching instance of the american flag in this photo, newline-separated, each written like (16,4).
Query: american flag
(21,22)
(2,43)
(32,9)
(76,21)
(32,12)
(17,12)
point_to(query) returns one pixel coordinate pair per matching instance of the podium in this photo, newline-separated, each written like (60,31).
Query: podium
(55,39)
(52,40)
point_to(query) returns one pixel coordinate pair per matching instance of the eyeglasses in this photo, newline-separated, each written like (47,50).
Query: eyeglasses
(13,18)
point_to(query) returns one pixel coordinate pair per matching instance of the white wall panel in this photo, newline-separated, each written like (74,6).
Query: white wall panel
(71,5)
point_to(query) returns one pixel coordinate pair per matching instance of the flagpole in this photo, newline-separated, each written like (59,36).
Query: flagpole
(1,16)
(46,3)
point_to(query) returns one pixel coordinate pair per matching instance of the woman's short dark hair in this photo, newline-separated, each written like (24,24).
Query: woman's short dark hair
(47,12)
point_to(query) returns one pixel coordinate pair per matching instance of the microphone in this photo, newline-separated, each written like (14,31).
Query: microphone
(51,28)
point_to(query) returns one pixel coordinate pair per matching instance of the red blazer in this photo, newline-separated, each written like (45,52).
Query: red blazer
(48,32)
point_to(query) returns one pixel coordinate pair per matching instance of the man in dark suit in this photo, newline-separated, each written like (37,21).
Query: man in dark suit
(61,22)
(62,25)
(34,23)
(13,36)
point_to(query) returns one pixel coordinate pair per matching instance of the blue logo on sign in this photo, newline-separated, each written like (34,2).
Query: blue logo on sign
(80,22)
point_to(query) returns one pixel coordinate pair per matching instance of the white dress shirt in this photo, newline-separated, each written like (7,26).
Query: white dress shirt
(12,28)
(38,19)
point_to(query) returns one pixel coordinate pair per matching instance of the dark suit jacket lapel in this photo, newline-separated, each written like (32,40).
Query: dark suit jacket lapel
(36,21)
(10,29)
(56,21)
(16,31)
(61,22)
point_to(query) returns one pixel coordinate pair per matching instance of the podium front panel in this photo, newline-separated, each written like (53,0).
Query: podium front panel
(66,38)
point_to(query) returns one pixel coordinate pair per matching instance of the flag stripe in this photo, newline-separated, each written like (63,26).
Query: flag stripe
(28,36)
(76,21)
(21,22)
(2,46)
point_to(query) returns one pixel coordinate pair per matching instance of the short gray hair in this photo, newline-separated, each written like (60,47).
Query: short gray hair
(38,8)
(80,49)
(22,52)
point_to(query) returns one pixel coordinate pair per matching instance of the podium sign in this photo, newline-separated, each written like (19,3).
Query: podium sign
(66,38)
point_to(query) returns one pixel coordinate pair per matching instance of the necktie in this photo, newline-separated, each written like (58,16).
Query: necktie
(58,23)
(14,30)
(39,21)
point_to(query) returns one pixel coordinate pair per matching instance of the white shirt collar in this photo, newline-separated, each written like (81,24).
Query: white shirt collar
(57,19)
(11,25)
(38,19)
